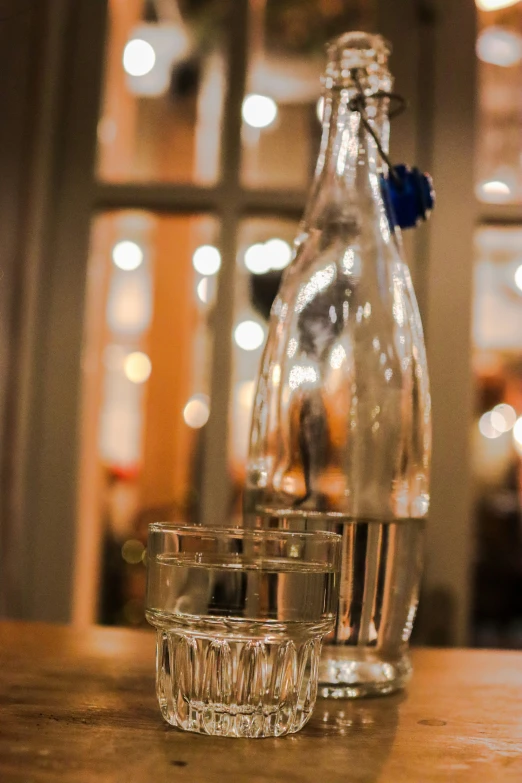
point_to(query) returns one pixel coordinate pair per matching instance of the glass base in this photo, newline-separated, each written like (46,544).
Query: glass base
(236,687)
(347,673)
(209,719)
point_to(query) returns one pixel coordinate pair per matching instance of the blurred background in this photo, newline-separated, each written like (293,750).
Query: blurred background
(151,151)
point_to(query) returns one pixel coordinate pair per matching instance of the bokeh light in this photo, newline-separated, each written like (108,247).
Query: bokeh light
(256,259)
(498,46)
(132,551)
(279,253)
(503,417)
(494,5)
(137,367)
(487,428)
(197,411)
(259,111)
(139,57)
(517,432)
(494,191)
(127,255)
(249,335)
(206,260)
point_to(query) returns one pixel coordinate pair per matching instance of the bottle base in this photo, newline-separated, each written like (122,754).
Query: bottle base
(342,676)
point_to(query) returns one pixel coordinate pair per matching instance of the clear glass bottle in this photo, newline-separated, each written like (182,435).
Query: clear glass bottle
(341,432)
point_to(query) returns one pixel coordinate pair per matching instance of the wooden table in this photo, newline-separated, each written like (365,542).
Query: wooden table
(80,706)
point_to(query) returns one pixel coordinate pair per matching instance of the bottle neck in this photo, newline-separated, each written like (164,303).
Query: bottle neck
(349,163)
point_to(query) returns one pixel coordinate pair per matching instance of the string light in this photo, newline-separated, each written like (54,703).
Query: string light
(202,290)
(137,367)
(503,417)
(206,260)
(279,253)
(139,57)
(499,47)
(487,428)
(259,111)
(261,257)
(249,335)
(517,432)
(319,108)
(494,190)
(197,411)
(256,259)
(127,255)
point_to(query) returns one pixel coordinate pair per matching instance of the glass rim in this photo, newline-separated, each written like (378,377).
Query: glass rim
(320,536)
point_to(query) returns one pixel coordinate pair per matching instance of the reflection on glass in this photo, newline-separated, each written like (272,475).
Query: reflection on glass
(281,128)
(164,86)
(145,394)
(265,248)
(499,138)
(497,438)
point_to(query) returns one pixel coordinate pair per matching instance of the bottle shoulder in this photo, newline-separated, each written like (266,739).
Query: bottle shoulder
(345,289)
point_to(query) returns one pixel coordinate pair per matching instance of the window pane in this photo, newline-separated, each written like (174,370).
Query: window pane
(497,438)
(281,129)
(151,286)
(264,251)
(499,158)
(164,85)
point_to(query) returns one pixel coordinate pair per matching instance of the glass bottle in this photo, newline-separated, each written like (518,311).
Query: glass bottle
(341,431)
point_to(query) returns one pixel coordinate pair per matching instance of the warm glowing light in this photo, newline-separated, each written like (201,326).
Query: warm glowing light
(249,335)
(197,411)
(518,277)
(151,54)
(202,290)
(494,190)
(279,253)
(127,255)
(206,260)
(319,109)
(499,47)
(494,5)
(486,426)
(503,417)
(256,259)
(137,367)
(132,551)
(517,432)
(261,257)
(259,111)
(139,57)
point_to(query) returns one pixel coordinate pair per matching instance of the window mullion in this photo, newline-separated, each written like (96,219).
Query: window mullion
(215,480)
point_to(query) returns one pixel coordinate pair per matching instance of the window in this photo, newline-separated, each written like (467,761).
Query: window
(206,141)
(497,329)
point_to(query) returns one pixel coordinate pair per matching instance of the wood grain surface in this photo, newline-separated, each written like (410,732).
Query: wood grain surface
(79,706)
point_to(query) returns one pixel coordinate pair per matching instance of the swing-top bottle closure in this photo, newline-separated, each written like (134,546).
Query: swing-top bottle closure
(367,54)
(357,63)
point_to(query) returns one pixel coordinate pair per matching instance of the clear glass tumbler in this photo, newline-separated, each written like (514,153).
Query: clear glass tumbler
(240,616)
